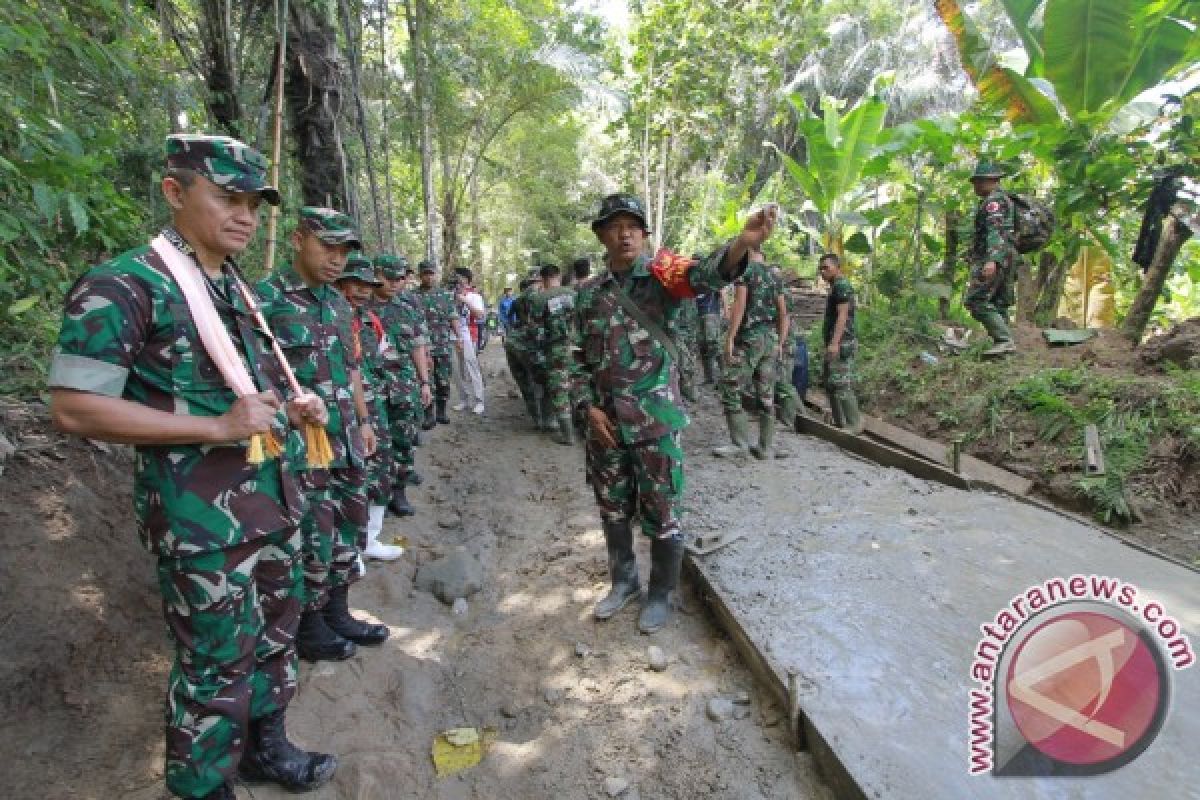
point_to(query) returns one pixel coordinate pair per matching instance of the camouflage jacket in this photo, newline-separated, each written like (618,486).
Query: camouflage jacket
(687,324)
(553,314)
(403,319)
(441,317)
(628,373)
(840,292)
(762,292)
(995,230)
(526,335)
(127,332)
(315,329)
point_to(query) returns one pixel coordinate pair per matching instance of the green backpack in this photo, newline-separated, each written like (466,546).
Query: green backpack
(1034,222)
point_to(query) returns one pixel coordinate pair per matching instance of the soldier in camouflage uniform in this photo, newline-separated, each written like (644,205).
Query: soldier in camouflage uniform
(841,345)
(708,306)
(357,284)
(634,459)
(994,258)
(406,364)
(787,399)
(314,326)
(758,323)
(130,367)
(441,317)
(553,315)
(520,347)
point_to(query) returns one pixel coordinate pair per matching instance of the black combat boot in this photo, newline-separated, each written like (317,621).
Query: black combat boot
(666,560)
(413,478)
(442,419)
(271,757)
(399,504)
(429,421)
(337,617)
(622,568)
(316,642)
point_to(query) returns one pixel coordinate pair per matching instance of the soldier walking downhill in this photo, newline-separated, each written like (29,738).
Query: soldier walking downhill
(994,258)
(635,416)
(131,366)
(313,324)
(841,345)
(758,323)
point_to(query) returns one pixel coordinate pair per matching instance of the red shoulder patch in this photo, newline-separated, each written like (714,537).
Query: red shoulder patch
(992,205)
(671,271)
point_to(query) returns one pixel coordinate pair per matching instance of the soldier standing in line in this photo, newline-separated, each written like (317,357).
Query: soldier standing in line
(406,368)
(553,313)
(521,341)
(634,459)
(758,322)
(709,307)
(313,324)
(994,258)
(357,284)
(841,345)
(787,399)
(131,367)
(441,317)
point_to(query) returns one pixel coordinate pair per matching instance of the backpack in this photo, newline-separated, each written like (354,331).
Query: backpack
(1033,222)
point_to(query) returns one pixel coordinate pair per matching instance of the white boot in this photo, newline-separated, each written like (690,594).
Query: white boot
(376,549)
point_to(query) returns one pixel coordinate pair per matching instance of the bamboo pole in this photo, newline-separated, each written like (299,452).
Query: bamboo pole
(277,144)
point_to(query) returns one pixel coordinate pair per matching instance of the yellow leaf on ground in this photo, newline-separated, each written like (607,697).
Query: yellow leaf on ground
(460,748)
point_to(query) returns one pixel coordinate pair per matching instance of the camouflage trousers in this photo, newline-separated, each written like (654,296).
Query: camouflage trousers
(380,468)
(996,296)
(231,615)
(710,335)
(557,379)
(522,371)
(840,375)
(751,371)
(443,370)
(334,530)
(643,480)
(403,417)
(686,343)
(783,376)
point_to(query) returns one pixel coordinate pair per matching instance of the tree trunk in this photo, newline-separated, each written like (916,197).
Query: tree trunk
(417,16)
(353,51)
(949,261)
(313,101)
(220,76)
(1174,235)
(661,214)
(385,129)
(1026,293)
(1051,279)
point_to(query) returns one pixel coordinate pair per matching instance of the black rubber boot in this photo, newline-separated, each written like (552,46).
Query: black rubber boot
(429,422)
(440,403)
(316,642)
(271,757)
(413,478)
(710,370)
(666,560)
(566,430)
(337,617)
(399,504)
(222,792)
(622,568)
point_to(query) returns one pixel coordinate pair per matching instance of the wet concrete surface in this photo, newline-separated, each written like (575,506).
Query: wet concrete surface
(871,586)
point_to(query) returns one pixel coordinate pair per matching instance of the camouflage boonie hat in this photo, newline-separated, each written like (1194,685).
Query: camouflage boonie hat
(987,168)
(620,203)
(226,162)
(391,267)
(330,226)
(427,267)
(360,267)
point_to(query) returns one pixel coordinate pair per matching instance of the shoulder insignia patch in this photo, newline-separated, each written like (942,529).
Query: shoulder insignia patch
(992,205)
(671,271)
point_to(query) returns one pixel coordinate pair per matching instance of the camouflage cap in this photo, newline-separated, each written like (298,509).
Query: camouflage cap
(359,266)
(427,267)
(330,226)
(226,162)
(391,267)
(535,275)
(620,203)
(986,168)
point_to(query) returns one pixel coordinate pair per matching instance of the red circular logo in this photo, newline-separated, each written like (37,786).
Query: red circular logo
(1085,688)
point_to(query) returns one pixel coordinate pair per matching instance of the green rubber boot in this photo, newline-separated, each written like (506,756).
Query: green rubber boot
(787,412)
(738,423)
(765,448)
(566,430)
(666,561)
(622,568)
(852,419)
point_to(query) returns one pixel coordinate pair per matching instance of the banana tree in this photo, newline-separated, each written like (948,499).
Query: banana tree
(837,149)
